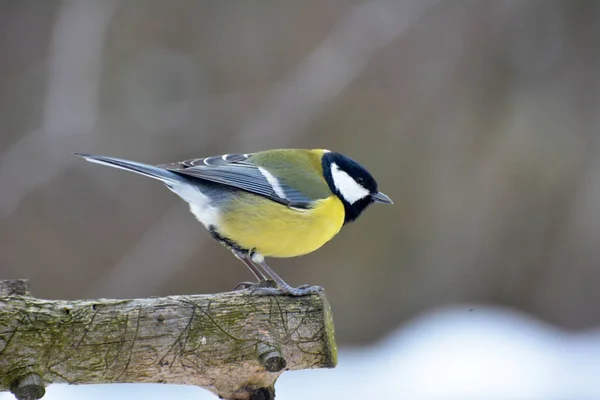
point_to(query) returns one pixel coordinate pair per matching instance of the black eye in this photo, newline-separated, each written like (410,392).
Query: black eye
(360,180)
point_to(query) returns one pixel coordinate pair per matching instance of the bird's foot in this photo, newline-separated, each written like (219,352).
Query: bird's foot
(304,290)
(250,285)
(243,285)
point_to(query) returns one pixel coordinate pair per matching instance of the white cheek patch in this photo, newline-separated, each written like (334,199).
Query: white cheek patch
(274,182)
(351,190)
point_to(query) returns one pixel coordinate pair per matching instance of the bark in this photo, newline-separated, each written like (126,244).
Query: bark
(233,344)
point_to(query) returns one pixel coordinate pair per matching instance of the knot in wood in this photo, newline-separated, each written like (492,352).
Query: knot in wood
(266,393)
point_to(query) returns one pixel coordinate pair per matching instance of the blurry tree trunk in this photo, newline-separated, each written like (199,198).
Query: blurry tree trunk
(233,344)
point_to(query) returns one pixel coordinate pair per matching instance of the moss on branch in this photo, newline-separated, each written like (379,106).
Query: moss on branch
(234,344)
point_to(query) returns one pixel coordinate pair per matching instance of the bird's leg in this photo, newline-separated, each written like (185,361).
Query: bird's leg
(260,277)
(248,262)
(283,287)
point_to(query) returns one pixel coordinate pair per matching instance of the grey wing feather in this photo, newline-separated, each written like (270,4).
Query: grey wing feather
(236,170)
(216,161)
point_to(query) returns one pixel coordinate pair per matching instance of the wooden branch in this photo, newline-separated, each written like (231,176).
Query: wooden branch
(233,344)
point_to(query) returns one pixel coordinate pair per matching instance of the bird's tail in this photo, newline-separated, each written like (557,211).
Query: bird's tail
(150,171)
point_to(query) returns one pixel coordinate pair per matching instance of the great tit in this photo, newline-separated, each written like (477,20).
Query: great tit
(272,203)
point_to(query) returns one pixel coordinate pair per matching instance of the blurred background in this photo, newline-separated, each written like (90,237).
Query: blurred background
(478,118)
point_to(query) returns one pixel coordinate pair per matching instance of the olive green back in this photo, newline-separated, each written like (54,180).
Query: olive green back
(298,168)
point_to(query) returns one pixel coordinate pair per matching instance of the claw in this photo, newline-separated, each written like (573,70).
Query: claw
(243,285)
(253,285)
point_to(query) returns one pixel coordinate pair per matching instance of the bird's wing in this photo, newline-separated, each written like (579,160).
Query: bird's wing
(240,171)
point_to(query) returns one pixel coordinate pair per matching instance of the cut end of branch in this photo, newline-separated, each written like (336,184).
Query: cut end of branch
(270,358)
(29,387)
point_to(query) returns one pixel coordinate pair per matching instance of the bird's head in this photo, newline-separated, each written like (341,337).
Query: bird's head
(352,183)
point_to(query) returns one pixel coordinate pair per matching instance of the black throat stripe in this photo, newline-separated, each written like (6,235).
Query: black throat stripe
(226,241)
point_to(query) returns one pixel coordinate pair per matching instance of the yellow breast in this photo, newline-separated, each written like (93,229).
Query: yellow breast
(275,230)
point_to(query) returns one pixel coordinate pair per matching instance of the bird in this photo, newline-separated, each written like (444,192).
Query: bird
(270,203)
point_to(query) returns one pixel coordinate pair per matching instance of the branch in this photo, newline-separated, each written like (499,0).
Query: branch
(233,344)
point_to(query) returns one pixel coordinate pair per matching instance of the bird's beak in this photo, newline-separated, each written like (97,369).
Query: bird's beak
(381,198)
